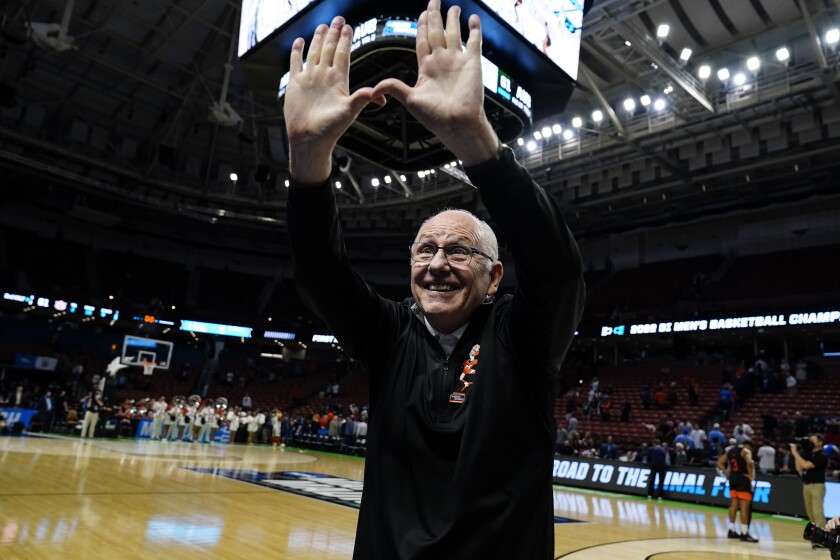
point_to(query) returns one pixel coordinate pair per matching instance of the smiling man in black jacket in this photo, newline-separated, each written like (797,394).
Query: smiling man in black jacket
(455,371)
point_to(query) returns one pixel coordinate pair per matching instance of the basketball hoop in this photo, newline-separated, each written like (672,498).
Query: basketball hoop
(148,368)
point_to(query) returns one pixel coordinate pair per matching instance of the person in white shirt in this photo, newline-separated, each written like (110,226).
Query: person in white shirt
(233,423)
(204,419)
(251,426)
(158,414)
(766,458)
(361,429)
(170,423)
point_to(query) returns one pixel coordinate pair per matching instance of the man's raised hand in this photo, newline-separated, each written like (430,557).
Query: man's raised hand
(319,107)
(448,98)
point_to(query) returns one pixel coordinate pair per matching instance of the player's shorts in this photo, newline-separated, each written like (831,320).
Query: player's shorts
(741,495)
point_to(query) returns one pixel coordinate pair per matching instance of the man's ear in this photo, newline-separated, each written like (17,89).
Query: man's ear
(496,273)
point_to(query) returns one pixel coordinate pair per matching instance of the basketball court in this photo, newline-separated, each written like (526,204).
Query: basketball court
(63,498)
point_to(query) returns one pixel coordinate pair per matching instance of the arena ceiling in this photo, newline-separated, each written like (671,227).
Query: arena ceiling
(106,121)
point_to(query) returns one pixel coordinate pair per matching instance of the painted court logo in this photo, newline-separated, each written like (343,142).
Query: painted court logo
(333,489)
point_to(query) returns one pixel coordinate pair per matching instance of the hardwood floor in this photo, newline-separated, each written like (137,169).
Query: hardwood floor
(65,498)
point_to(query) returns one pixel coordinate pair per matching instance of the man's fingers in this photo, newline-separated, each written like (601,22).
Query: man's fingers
(437,40)
(393,87)
(474,40)
(342,52)
(314,55)
(360,99)
(453,28)
(331,41)
(296,59)
(422,42)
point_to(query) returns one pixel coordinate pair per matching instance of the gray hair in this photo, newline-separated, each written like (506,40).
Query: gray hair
(486,241)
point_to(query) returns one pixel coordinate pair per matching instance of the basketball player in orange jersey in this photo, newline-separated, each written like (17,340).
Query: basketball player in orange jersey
(739,468)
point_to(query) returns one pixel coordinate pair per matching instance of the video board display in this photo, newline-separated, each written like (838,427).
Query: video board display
(260,18)
(553,26)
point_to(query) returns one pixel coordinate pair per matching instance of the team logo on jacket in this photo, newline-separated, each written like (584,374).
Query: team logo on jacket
(468,369)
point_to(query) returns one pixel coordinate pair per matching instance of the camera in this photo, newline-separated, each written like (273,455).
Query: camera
(823,538)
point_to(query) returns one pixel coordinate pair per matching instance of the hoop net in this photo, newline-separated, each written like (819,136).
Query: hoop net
(148,368)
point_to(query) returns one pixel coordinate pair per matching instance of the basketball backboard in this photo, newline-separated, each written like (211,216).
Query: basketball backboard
(137,351)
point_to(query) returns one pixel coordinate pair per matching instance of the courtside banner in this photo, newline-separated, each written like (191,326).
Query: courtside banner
(771,494)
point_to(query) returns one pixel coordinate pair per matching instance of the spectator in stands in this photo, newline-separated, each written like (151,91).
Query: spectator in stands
(246,402)
(766,455)
(604,407)
(361,429)
(349,430)
(560,435)
(567,448)
(699,437)
(660,397)
(785,463)
(680,455)
(641,453)
(743,432)
(769,424)
(726,401)
(625,411)
(790,384)
(18,399)
(786,427)
(334,428)
(801,371)
(684,438)
(644,394)
(716,441)
(608,449)
(693,391)
(573,424)
(673,395)
(816,423)
(656,460)
(800,425)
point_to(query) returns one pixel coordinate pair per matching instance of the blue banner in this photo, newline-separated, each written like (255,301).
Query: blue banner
(14,415)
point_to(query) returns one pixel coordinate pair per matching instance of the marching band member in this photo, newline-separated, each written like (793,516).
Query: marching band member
(252,426)
(170,423)
(184,424)
(158,414)
(233,423)
(205,421)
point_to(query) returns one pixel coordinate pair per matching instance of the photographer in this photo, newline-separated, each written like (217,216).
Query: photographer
(810,464)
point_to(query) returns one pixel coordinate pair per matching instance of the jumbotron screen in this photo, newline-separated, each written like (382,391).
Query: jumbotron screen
(260,18)
(552,26)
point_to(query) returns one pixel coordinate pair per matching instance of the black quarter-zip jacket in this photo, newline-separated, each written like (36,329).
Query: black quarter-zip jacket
(448,477)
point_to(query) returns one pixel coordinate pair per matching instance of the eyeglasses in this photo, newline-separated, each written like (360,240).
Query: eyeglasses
(460,255)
